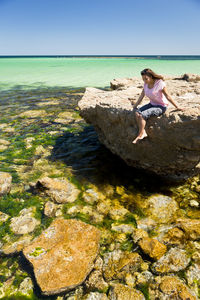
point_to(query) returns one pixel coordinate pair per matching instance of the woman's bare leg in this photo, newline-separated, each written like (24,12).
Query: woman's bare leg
(141,124)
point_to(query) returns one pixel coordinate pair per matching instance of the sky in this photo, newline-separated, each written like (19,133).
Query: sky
(99,27)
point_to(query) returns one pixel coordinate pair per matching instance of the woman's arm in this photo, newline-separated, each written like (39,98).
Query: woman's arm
(139,99)
(169,98)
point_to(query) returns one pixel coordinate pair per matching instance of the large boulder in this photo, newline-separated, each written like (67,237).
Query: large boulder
(172,147)
(63,255)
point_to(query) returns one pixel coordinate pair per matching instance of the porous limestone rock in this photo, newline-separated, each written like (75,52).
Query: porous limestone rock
(123,292)
(15,247)
(25,222)
(50,209)
(139,234)
(152,247)
(63,255)
(173,261)
(94,296)
(118,263)
(26,287)
(5,183)
(60,190)
(4,144)
(123,228)
(124,83)
(174,288)
(96,281)
(191,77)
(193,274)
(3,217)
(32,114)
(172,148)
(173,236)
(191,227)
(159,207)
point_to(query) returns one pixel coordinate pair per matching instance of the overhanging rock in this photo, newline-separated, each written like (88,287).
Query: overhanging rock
(172,147)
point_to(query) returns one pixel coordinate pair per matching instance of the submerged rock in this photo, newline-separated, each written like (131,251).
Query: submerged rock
(152,247)
(191,227)
(160,208)
(173,236)
(3,217)
(172,148)
(50,209)
(174,287)
(118,264)
(94,296)
(96,281)
(32,114)
(175,260)
(63,255)
(15,247)
(123,292)
(60,190)
(25,222)
(5,183)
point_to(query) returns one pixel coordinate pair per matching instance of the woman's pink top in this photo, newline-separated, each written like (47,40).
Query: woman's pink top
(155,94)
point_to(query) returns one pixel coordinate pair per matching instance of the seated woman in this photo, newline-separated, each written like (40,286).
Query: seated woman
(155,90)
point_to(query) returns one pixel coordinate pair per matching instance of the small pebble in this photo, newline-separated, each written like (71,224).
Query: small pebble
(194,203)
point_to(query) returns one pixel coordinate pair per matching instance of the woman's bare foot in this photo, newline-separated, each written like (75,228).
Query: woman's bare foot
(139,137)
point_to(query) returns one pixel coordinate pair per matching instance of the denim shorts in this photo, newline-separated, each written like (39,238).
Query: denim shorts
(149,110)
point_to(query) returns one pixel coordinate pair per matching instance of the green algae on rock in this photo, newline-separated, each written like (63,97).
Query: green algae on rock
(111,197)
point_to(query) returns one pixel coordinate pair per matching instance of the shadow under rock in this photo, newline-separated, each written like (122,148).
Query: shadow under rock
(93,162)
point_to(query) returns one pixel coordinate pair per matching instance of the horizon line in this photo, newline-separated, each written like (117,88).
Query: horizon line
(96,55)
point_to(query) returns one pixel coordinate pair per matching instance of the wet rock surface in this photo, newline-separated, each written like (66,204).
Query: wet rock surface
(63,255)
(5,182)
(152,247)
(174,260)
(60,190)
(126,205)
(174,287)
(176,132)
(122,292)
(25,222)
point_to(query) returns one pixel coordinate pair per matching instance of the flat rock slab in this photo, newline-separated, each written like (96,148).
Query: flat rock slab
(63,255)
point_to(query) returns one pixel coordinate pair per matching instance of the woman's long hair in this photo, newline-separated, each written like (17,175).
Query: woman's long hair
(151,74)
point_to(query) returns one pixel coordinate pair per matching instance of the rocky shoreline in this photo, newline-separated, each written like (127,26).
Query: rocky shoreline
(172,148)
(68,236)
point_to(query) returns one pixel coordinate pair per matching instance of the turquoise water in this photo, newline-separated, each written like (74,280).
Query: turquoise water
(29,72)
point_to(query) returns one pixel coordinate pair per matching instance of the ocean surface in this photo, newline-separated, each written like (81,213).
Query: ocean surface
(82,71)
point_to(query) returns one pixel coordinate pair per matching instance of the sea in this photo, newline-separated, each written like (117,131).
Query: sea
(24,72)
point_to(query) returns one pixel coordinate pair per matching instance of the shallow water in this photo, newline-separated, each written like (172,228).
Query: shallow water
(75,72)
(43,143)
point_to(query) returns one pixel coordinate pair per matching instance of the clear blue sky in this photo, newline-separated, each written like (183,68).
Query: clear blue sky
(39,27)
